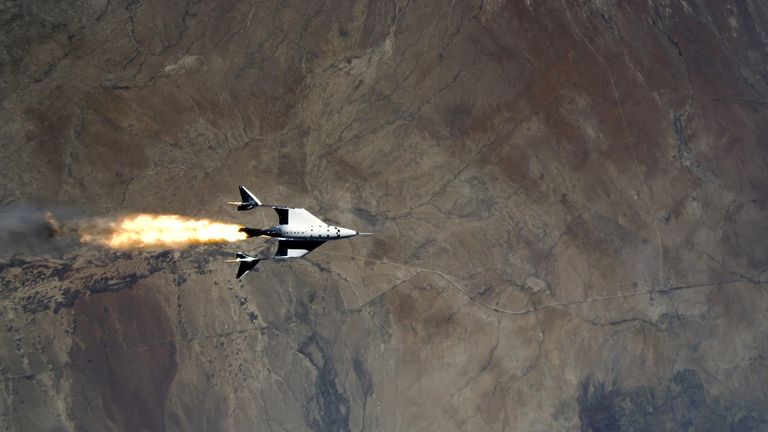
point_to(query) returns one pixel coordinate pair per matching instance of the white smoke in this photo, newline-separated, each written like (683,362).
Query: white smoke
(26,229)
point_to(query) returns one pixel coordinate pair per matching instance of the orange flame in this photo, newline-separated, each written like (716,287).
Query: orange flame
(147,230)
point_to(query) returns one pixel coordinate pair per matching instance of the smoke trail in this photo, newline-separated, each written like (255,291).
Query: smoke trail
(25,230)
(29,230)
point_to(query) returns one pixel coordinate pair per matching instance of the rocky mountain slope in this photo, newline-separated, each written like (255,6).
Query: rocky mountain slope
(570,202)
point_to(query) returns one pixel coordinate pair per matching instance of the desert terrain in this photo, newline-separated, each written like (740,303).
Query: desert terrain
(569,201)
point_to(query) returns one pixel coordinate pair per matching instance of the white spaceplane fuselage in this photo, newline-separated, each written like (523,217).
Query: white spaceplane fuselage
(302,232)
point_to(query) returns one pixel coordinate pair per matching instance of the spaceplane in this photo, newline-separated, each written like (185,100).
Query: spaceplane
(298,231)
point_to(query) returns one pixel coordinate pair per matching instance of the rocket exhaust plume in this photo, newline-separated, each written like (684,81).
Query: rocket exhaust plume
(152,230)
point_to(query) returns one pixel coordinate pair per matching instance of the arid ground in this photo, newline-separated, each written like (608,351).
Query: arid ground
(569,200)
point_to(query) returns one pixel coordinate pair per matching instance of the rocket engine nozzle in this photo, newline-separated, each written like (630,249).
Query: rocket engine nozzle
(253,232)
